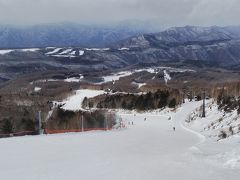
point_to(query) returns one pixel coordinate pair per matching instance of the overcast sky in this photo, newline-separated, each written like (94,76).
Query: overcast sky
(166,12)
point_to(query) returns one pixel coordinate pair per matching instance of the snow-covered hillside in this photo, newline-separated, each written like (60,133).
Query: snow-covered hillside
(143,151)
(7,51)
(217,125)
(74,102)
(153,70)
(64,52)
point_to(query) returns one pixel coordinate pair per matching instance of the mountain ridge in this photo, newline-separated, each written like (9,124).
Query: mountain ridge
(67,34)
(222,50)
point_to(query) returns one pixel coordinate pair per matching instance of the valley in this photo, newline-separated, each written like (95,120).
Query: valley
(141,98)
(119,90)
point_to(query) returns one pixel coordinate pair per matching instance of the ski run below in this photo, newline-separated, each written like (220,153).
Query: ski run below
(145,150)
(74,102)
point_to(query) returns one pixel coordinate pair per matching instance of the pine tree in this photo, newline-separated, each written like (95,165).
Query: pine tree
(124,104)
(7,126)
(172,103)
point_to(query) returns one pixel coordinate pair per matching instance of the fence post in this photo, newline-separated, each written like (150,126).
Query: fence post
(39,123)
(106,123)
(82,124)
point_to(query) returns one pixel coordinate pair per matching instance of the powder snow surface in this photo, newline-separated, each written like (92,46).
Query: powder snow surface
(116,76)
(7,51)
(167,77)
(37,89)
(74,102)
(147,150)
(3,52)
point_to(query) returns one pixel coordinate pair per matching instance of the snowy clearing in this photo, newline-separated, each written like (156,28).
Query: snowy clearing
(97,49)
(37,89)
(74,79)
(81,53)
(153,70)
(147,150)
(167,76)
(54,51)
(115,77)
(7,51)
(44,81)
(63,56)
(30,50)
(123,49)
(66,51)
(139,84)
(3,52)
(74,102)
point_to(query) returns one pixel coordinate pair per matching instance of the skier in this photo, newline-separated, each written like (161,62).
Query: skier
(145,119)
(174,129)
(132,122)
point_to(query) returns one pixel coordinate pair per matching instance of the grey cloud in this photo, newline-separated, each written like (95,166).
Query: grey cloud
(166,12)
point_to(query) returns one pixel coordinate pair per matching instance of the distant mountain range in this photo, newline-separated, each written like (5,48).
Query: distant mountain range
(69,34)
(199,47)
(185,35)
(216,45)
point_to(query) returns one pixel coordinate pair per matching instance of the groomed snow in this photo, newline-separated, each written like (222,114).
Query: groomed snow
(64,52)
(97,49)
(7,51)
(67,51)
(167,76)
(37,89)
(139,84)
(123,49)
(74,79)
(74,102)
(3,52)
(54,51)
(211,127)
(44,81)
(73,53)
(81,53)
(117,76)
(153,70)
(30,50)
(64,56)
(147,150)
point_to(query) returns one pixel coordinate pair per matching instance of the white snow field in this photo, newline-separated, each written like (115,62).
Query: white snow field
(153,70)
(167,76)
(74,102)
(146,150)
(7,51)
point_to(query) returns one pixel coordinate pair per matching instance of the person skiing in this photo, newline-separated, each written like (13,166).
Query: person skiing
(174,129)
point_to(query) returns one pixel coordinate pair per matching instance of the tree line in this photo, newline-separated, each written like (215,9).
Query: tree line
(228,103)
(148,101)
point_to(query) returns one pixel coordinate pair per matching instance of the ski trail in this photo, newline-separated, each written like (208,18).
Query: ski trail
(180,122)
(145,150)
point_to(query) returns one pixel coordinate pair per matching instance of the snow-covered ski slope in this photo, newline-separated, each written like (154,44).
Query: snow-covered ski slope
(146,150)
